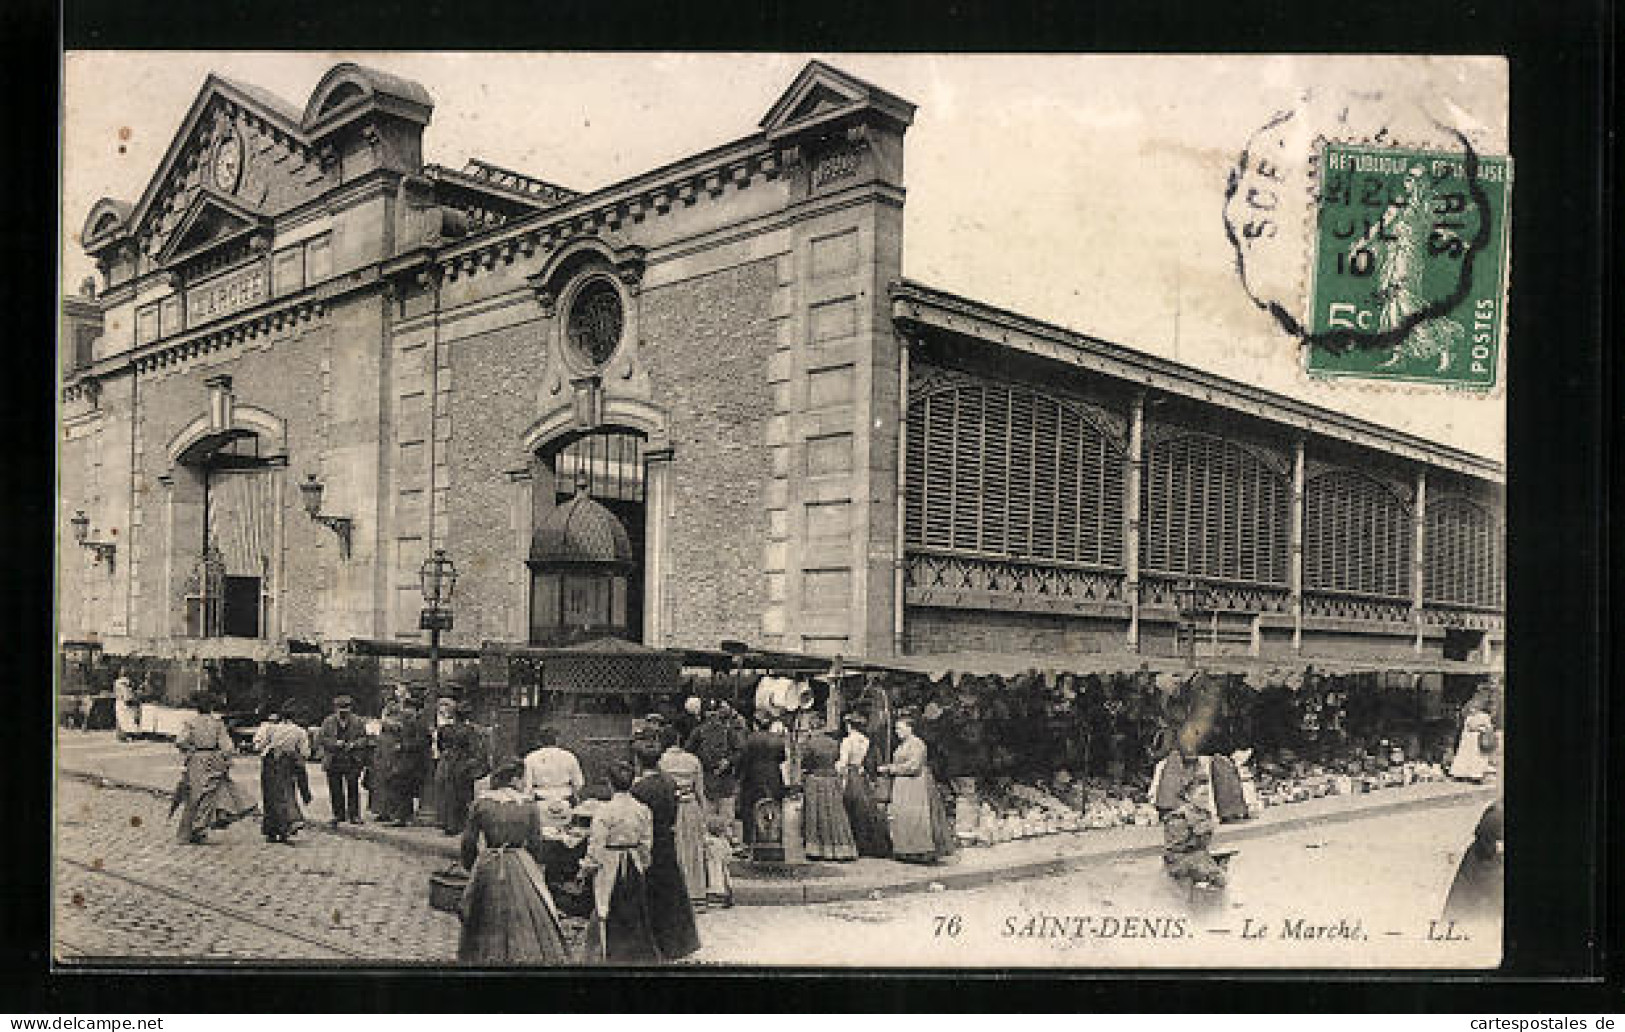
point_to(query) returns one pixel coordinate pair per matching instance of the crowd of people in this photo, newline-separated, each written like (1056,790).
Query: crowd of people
(640,853)
(408,764)
(636,854)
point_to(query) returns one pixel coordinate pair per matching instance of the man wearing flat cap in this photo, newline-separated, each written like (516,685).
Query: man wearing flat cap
(343,738)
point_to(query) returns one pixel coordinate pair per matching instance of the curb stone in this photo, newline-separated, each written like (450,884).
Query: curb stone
(781,895)
(796,893)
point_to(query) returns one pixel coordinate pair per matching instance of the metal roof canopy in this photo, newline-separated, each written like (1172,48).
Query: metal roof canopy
(922,307)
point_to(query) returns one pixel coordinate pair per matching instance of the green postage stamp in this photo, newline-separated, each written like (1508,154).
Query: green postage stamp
(1408,266)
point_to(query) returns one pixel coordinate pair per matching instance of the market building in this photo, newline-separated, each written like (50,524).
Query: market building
(699,405)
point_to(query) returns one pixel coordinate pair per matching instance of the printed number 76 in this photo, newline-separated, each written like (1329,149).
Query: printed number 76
(947,924)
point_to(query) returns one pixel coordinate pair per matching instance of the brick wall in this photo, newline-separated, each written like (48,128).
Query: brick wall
(284,378)
(708,342)
(496,380)
(961,630)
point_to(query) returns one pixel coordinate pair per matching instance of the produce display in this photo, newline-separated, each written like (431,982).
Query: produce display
(1037,754)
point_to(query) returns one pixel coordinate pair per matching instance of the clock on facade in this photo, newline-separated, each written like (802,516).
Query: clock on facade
(228,163)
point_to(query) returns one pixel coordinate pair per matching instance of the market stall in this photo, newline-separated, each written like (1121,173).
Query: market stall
(1029,748)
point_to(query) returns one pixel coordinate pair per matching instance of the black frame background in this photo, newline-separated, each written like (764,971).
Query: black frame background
(1564,918)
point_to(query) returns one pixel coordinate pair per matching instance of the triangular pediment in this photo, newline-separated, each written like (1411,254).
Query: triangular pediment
(273,166)
(821,95)
(822,100)
(212,220)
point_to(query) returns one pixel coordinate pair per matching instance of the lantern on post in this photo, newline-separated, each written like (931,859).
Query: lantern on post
(438,579)
(310,493)
(104,550)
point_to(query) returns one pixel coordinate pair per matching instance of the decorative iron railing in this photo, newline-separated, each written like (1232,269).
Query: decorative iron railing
(1470,618)
(971,582)
(1354,606)
(1218,595)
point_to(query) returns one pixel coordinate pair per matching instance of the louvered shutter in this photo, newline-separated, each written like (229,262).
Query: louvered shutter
(999,470)
(1213,509)
(1356,536)
(1464,555)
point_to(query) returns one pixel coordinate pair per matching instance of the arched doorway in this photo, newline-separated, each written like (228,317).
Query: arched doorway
(228,587)
(587,545)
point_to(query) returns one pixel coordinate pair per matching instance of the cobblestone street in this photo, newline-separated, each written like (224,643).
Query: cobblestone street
(1375,883)
(125,889)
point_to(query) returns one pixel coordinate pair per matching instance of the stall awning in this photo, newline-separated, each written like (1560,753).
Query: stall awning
(1009,664)
(406,649)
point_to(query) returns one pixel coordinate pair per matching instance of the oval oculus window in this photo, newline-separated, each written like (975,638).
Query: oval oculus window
(596,320)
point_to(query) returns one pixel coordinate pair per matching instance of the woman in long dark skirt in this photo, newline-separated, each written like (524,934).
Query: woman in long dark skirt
(508,914)
(855,763)
(826,831)
(620,849)
(383,774)
(211,799)
(1476,894)
(669,905)
(463,760)
(284,749)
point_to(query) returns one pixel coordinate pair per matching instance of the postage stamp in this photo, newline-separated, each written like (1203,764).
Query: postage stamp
(1407,266)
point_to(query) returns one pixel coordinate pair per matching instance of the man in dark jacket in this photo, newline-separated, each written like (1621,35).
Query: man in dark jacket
(343,738)
(417,754)
(716,742)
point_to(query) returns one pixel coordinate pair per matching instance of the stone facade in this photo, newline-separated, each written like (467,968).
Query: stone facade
(400,335)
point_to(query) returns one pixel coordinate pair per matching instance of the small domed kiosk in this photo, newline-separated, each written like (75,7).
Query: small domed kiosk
(581,561)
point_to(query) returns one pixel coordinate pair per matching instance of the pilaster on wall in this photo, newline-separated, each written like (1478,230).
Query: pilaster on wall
(412,388)
(831,503)
(1132,488)
(521,504)
(789,322)
(358,375)
(1419,523)
(1294,571)
(657,530)
(135,610)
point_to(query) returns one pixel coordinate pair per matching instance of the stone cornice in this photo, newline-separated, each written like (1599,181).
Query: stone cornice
(915,305)
(651,194)
(298,308)
(377,182)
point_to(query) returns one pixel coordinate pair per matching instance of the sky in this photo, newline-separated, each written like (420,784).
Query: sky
(1083,190)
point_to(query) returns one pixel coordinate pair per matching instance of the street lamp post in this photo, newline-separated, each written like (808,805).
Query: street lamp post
(438,575)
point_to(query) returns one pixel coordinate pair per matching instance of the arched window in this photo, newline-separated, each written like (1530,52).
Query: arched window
(1214,509)
(999,470)
(587,540)
(1356,536)
(611,460)
(1463,564)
